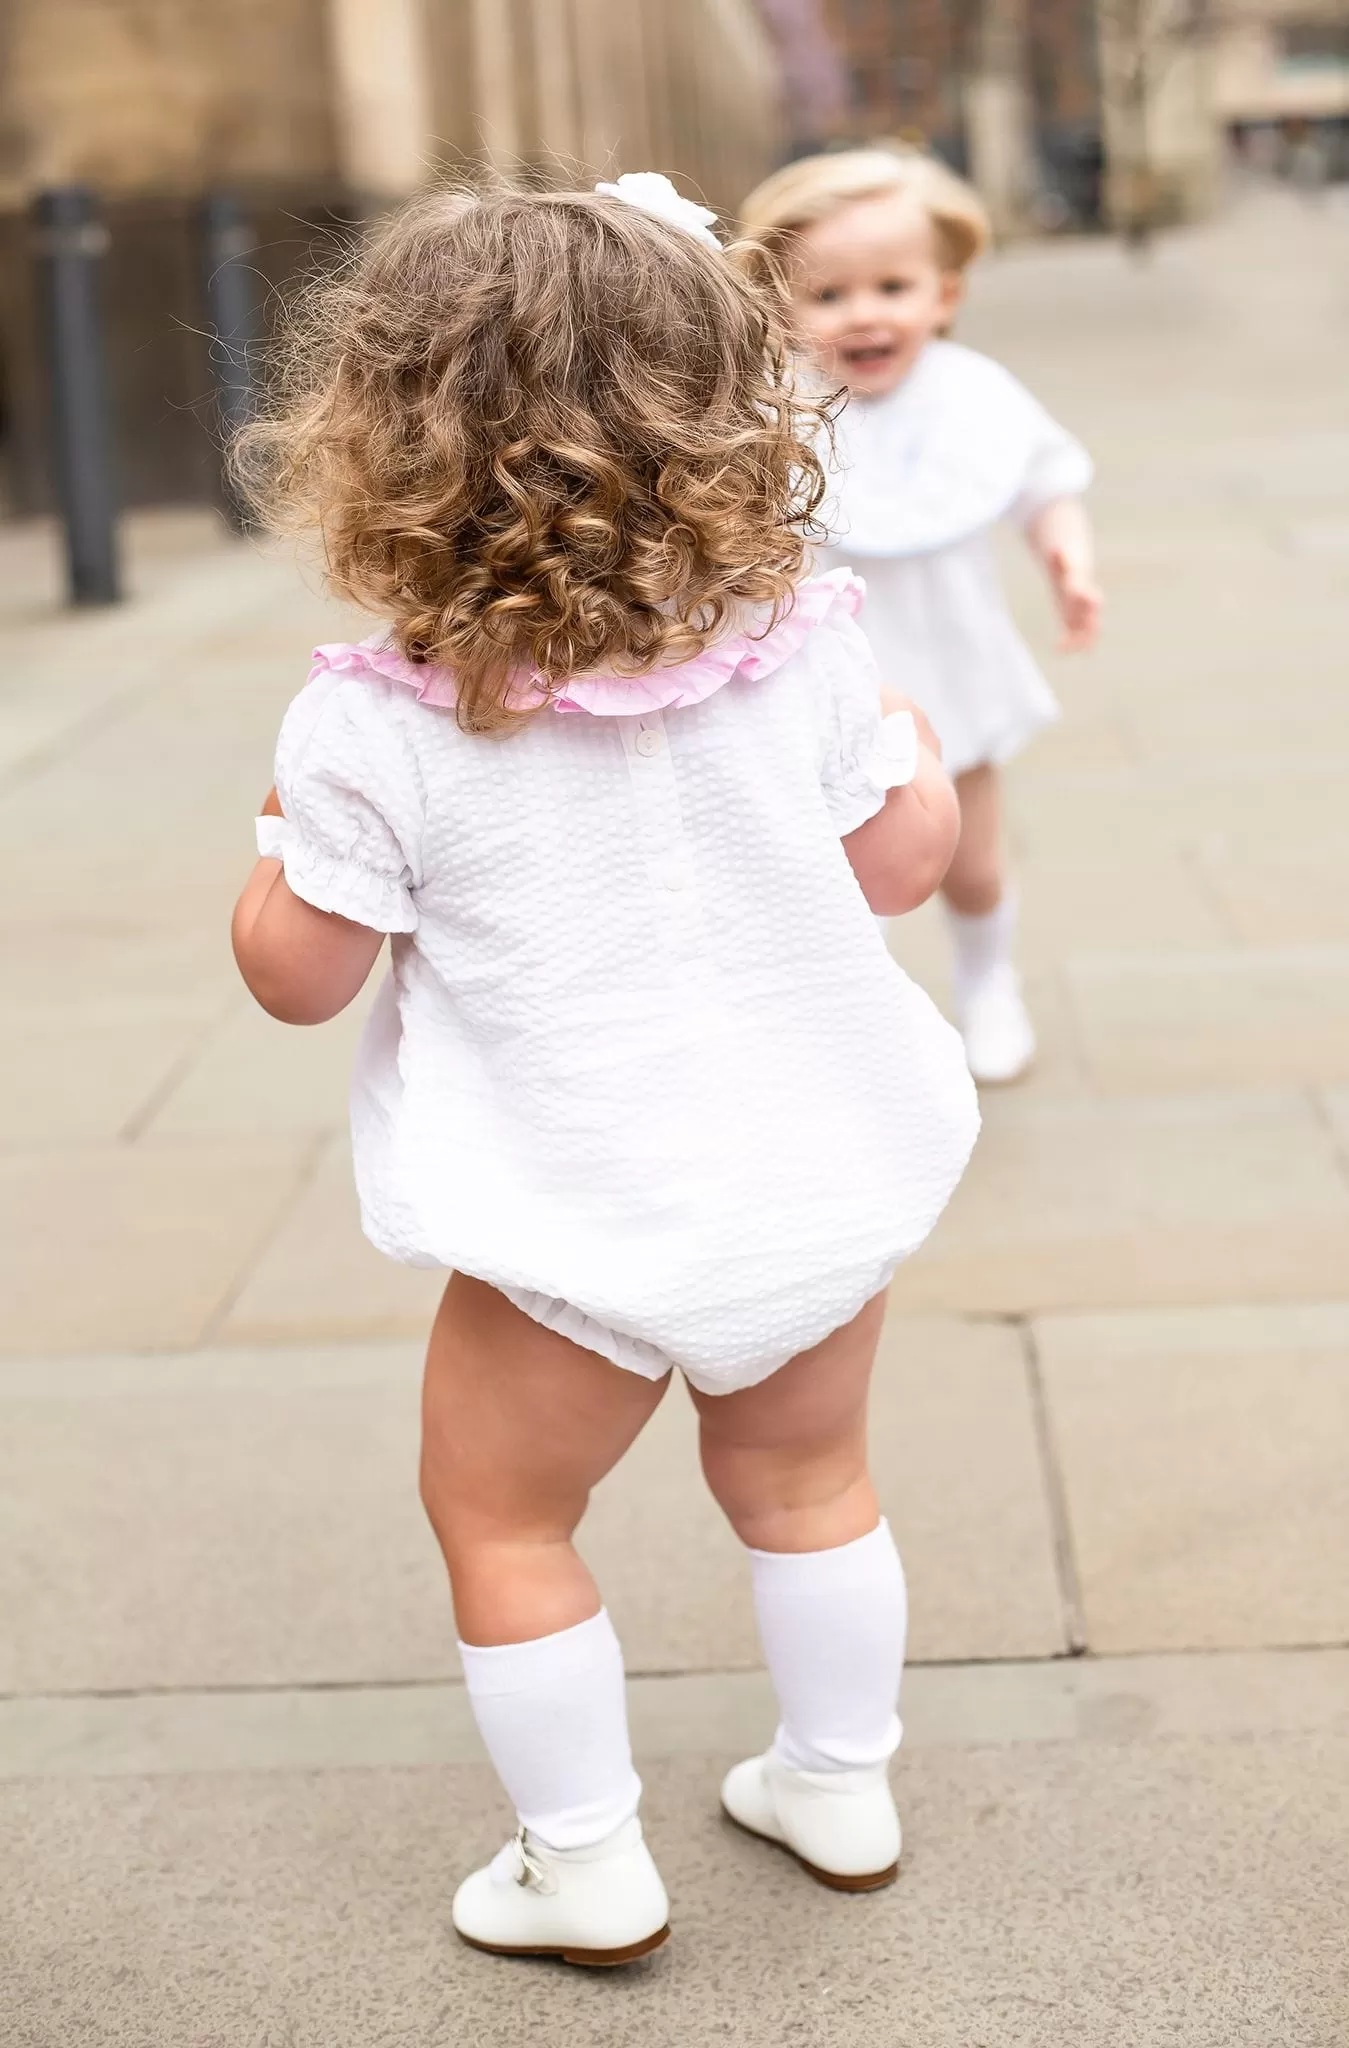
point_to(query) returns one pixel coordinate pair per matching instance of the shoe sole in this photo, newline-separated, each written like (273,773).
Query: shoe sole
(584,1958)
(870,1881)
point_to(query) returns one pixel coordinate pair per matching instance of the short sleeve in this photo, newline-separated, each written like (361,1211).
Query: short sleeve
(1058,467)
(347,778)
(863,756)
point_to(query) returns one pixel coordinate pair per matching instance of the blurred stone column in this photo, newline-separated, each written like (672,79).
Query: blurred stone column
(383,104)
(556,87)
(612,86)
(1164,137)
(997,112)
(496,65)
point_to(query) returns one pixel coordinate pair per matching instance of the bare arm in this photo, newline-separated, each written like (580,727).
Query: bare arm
(303,965)
(901,854)
(1060,534)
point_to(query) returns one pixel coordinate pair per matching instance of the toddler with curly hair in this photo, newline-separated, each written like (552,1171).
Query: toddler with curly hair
(614,777)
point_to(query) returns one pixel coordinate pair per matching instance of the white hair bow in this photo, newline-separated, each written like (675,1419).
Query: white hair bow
(654,194)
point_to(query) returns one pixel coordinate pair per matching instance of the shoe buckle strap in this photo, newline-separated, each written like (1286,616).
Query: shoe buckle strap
(529,1870)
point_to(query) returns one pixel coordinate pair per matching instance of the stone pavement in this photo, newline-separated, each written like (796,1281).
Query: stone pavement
(237,1779)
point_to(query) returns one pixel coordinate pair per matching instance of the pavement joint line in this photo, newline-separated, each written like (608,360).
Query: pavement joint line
(1056,1496)
(49,753)
(1320,1107)
(215,1322)
(1087,1658)
(141,1118)
(1206,1695)
(135,619)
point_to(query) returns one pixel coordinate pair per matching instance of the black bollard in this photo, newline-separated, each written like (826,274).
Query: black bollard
(232,299)
(71,242)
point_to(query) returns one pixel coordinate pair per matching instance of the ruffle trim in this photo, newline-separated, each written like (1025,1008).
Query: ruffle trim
(891,762)
(342,887)
(744,654)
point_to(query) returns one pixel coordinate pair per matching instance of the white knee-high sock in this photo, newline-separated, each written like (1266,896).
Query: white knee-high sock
(982,947)
(832,1624)
(554,1718)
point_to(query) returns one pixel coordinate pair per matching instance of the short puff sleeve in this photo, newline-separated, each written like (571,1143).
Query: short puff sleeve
(348,783)
(1058,466)
(863,755)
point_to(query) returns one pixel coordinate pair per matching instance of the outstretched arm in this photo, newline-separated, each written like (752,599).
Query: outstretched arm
(1060,534)
(303,965)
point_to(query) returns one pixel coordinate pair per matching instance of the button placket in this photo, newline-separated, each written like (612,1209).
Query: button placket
(665,848)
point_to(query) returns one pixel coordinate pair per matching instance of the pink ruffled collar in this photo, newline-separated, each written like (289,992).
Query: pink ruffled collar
(746,653)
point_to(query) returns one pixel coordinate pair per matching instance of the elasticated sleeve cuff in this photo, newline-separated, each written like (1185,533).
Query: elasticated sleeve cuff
(889,763)
(1062,471)
(342,887)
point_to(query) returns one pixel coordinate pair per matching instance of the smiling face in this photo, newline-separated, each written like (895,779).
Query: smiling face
(872,290)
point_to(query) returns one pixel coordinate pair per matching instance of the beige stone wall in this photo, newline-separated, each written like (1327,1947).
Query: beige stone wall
(164,96)
(314,111)
(1252,81)
(1163,149)
(141,97)
(572,89)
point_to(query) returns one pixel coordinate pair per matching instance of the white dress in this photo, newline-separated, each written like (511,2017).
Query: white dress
(642,1061)
(920,479)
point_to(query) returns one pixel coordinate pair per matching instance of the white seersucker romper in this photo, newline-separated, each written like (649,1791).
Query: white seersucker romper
(642,1060)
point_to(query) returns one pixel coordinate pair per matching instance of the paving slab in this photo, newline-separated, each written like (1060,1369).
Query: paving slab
(678,1714)
(76,1076)
(1269,1019)
(254,1075)
(207,1520)
(127,959)
(1129,901)
(1202,1461)
(1284,797)
(319,1277)
(133,1247)
(68,672)
(251,1518)
(957,1466)
(1336,1109)
(1281,895)
(1184,1891)
(1095,1203)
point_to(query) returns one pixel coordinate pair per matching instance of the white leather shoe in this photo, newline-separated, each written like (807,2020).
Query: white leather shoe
(841,1826)
(999,1036)
(597,1906)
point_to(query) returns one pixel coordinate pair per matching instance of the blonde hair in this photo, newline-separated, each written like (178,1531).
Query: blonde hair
(814,187)
(541,432)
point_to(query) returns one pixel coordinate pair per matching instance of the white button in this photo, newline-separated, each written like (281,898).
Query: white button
(649,743)
(675,876)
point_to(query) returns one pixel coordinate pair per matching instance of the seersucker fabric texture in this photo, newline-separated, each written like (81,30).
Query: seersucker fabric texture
(642,1060)
(920,479)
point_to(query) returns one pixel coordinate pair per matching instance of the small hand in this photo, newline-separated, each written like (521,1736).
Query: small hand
(1078,597)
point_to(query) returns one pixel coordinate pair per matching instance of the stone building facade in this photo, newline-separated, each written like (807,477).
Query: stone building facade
(313,112)
(1008,90)
(1035,99)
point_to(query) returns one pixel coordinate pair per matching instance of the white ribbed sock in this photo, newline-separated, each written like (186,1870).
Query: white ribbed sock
(832,1624)
(982,946)
(553,1715)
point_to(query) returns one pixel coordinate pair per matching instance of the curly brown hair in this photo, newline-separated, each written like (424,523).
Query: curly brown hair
(544,434)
